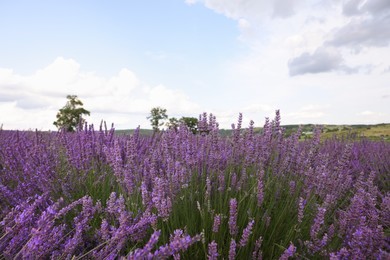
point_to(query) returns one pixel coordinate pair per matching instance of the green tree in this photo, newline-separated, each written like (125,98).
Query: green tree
(71,114)
(157,115)
(191,123)
(173,123)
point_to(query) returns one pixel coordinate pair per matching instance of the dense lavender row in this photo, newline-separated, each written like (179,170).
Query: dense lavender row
(96,195)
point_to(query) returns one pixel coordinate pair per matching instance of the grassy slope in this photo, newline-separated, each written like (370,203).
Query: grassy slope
(373,132)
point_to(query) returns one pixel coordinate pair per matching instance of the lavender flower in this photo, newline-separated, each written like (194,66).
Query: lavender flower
(232,249)
(179,242)
(289,252)
(213,251)
(145,195)
(233,229)
(217,223)
(346,179)
(246,233)
(260,192)
(208,193)
(301,208)
(257,251)
(146,250)
(318,222)
(160,199)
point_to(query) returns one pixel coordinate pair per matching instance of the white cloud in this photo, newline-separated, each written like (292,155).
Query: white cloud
(284,9)
(309,112)
(243,24)
(358,7)
(32,101)
(364,32)
(373,117)
(310,26)
(366,113)
(322,60)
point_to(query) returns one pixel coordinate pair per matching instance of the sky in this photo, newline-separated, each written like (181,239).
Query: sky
(318,61)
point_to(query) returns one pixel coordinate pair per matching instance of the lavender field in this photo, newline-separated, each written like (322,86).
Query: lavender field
(178,195)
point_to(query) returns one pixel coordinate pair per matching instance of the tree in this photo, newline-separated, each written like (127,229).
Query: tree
(71,114)
(173,123)
(191,123)
(157,114)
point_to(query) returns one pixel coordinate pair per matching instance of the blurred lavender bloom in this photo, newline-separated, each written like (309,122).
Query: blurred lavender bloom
(232,249)
(213,251)
(233,229)
(246,233)
(289,252)
(217,223)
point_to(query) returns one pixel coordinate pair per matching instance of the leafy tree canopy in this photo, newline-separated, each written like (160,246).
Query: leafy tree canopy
(173,123)
(191,123)
(157,115)
(71,114)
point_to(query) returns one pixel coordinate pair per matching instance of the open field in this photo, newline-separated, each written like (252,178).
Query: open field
(242,194)
(372,132)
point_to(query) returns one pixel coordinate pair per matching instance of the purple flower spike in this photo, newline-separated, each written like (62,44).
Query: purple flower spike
(246,233)
(301,208)
(289,252)
(233,217)
(217,223)
(213,251)
(144,252)
(232,249)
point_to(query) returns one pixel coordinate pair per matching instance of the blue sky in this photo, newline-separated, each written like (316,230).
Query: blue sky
(317,61)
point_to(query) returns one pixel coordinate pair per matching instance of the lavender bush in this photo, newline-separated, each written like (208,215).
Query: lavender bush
(92,194)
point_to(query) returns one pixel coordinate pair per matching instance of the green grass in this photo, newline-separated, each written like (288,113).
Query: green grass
(372,132)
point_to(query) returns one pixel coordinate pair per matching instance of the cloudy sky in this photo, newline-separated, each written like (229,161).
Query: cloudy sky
(318,61)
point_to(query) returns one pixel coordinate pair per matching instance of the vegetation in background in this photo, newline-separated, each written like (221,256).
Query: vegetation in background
(157,117)
(71,115)
(190,122)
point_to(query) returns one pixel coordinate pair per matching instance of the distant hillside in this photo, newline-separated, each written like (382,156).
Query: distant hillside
(373,132)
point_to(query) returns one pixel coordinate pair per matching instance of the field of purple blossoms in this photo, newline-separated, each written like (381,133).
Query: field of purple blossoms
(177,195)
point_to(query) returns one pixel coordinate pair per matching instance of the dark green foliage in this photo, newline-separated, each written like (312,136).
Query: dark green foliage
(157,114)
(191,123)
(71,114)
(173,123)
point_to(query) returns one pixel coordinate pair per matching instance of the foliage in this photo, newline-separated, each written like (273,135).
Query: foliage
(157,115)
(173,123)
(96,195)
(71,115)
(191,123)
